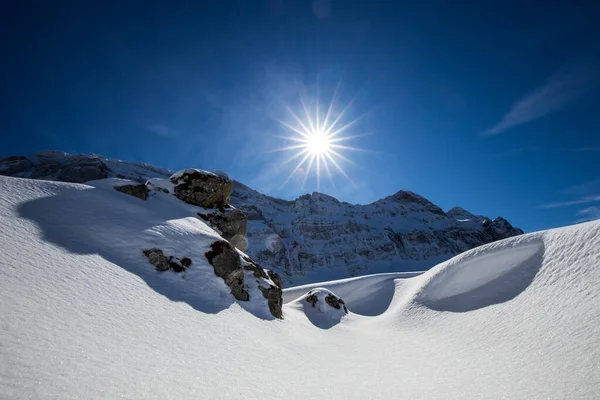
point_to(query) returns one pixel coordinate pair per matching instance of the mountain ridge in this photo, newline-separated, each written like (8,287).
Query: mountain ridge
(315,236)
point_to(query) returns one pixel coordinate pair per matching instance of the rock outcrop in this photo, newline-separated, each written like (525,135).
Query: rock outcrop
(231,222)
(140,191)
(202,188)
(236,269)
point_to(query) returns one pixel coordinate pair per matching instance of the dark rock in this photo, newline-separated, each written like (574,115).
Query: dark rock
(157,258)
(274,296)
(15,166)
(235,281)
(139,191)
(179,265)
(256,269)
(335,302)
(228,266)
(312,299)
(224,258)
(202,188)
(163,263)
(275,278)
(80,169)
(231,222)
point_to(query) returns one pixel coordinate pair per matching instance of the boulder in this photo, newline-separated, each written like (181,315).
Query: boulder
(224,258)
(274,296)
(139,191)
(157,258)
(231,222)
(227,264)
(201,188)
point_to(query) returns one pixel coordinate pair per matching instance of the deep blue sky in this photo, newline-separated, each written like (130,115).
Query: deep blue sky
(493,106)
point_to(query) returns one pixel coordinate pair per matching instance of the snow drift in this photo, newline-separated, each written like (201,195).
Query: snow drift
(82,315)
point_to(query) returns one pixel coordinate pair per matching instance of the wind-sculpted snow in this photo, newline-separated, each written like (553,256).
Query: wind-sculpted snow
(483,277)
(83,314)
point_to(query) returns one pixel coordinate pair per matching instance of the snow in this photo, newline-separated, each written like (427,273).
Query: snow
(160,184)
(182,172)
(83,314)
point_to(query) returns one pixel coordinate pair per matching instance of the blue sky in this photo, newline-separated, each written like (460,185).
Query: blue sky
(493,107)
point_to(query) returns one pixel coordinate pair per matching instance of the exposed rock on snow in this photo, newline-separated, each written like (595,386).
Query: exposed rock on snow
(335,302)
(140,191)
(230,265)
(231,222)
(227,264)
(157,258)
(201,188)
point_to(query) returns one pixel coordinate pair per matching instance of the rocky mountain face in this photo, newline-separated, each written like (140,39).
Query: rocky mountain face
(315,237)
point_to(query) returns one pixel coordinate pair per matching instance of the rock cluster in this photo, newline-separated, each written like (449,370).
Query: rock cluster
(162,262)
(327,297)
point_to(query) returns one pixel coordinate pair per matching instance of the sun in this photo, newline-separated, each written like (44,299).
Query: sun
(318,140)
(318,143)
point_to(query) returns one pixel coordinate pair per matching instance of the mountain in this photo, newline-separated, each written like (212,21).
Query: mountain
(86,313)
(315,237)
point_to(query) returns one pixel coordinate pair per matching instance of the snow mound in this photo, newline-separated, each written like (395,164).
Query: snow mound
(322,307)
(482,277)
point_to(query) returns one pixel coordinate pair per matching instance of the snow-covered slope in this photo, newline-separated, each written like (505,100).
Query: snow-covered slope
(315,237)
(83,315)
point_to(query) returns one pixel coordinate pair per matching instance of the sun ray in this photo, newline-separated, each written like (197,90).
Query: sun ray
(299,146)
(308,118)
(294,129)
(312,158)
(339,117)
(295,156)
(341,139)
(340,169)
(306,129)
(336,153)
(326,165)
(296,169)
(341,146)
(293,139)
(335,91)
(344,127)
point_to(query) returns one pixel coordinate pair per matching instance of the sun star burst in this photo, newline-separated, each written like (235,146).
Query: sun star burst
(317,143)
